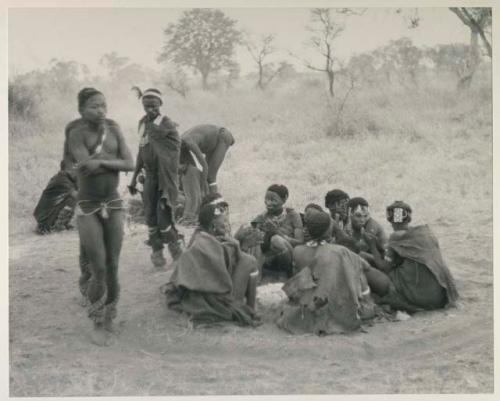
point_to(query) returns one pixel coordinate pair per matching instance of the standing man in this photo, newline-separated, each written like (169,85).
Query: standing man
(203,150)
(159,150)
(98,151)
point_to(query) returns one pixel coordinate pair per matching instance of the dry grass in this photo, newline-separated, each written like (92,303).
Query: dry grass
(427,145)
(394,143)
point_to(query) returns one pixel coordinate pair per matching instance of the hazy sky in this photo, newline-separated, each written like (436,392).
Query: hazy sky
(84,35)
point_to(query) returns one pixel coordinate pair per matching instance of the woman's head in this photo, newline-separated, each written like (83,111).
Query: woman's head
(317,223)
(276,196)
(215,198)
(336,201)
(399,214)
(152,101)
(92,105)
(212,219)
(359,212)
(313,207)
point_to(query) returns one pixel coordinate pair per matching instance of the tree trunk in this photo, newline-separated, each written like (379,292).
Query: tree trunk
(204,80)
(413,76)
(331,80)
(465,81)
(260,85)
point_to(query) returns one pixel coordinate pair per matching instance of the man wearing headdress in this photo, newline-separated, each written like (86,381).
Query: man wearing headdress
(158,155)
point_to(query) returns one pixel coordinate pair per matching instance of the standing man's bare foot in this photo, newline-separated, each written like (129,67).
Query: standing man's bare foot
(99,336)
(158,260)
(111,327)
(83,301)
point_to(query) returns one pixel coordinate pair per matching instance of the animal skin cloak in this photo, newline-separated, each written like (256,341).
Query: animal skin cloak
(54,198)
(419,248)
(207,282)
(164,144)
(330,296)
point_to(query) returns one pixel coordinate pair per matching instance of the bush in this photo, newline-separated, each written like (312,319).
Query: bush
(24,101)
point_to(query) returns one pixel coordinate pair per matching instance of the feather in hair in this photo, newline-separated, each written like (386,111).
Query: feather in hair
(137,91)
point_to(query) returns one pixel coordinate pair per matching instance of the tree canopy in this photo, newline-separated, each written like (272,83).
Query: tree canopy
(202,39)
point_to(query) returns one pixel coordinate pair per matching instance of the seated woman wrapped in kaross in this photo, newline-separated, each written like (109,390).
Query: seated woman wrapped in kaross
(213,280)
(330,293)
(56,205)
(416,278)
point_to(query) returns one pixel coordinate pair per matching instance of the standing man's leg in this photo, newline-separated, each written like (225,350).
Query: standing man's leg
(192,190)
(168,232)
(151,198)
(113,238)
(83,281)
(92,238)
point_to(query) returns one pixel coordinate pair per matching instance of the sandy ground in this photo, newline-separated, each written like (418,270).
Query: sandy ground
(159,353)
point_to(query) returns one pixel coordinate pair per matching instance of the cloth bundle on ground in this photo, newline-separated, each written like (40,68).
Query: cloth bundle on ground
(165,146)
(57,203)
(413,287)
(330,296)
(210,280)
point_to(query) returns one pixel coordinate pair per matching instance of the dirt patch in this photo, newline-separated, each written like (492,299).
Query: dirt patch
(159,353)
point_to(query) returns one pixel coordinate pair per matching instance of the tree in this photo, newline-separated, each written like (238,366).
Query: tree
(286,71)
(362,66)
(113,62)
(478,20)
(178,82)
(384,62)
(325,30)
(131,74)
(233,73)
(449,57)
(260,53)
(202,39)
(64,76)
(406,57)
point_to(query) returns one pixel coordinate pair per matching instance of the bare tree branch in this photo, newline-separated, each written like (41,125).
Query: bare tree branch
(259,53)
(459,14)
(479,28)
(351,11)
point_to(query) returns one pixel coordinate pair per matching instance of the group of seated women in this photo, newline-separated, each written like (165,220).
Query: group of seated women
(339,265)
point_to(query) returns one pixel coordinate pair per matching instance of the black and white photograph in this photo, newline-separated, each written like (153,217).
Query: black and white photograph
(249,199)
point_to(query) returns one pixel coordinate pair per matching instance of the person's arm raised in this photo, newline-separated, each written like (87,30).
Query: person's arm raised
(124,162)
(85,163)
